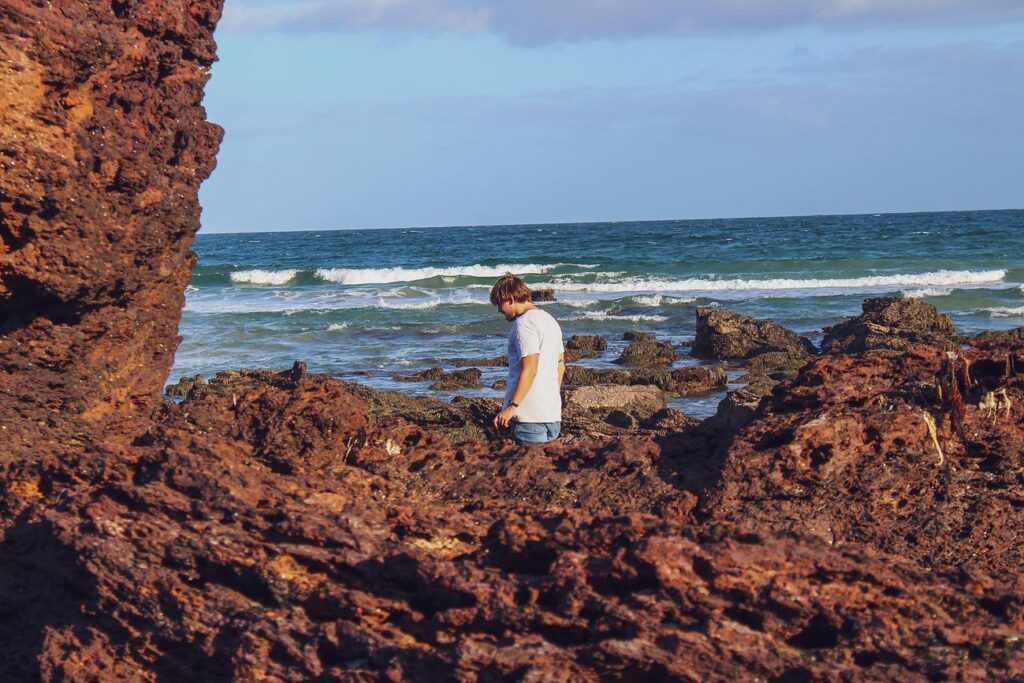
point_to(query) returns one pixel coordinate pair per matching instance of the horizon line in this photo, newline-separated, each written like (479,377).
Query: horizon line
(595,222)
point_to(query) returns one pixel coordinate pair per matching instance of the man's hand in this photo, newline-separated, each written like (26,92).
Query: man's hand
(502,419)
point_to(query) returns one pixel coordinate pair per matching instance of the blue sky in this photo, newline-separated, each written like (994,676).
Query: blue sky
(388,113)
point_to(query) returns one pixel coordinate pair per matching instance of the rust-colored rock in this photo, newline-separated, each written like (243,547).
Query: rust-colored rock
(287,526)
(724,335)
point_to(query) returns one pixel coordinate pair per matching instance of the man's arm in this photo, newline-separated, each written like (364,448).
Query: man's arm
(561,368)
(527,374)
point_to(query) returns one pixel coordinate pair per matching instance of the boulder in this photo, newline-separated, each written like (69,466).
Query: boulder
(778,365)
(459,379)
(587,342)
(634,335)
(891,323)
(542,295)
(724,335)
(496,362)
(646,353)
(993,338)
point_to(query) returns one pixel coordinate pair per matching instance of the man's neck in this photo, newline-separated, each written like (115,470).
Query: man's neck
(524,307)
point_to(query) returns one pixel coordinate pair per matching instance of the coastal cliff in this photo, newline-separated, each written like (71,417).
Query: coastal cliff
(859,522)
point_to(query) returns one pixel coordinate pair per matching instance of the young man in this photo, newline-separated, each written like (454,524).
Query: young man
(536,364)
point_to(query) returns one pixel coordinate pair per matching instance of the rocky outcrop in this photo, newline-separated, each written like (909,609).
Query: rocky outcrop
(725,335)
(105,145)
(893,324)
(916,455)
(587,342)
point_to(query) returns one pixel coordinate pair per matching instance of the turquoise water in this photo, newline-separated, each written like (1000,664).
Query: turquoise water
(390,302)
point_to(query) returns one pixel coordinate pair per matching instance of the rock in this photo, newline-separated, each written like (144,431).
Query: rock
(778,365)
(916,455)
(586,342)
(621,419)
(638,400)
(429,375)
(634,336)
(542,295)
(576,375)
(671,420)
(496,362)
(684,381)
(185,386)
(468,378)
(739,407)
(645,354)
(990,339)
(500,385)
(724,335)
(891,323)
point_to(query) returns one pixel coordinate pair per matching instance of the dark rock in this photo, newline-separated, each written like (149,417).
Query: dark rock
(990,339)
(496,362)
(739,407)
(587,342)
(724,335)
(468,378)
(500,385)
(671,420)
(891,323)
(429,375)
(621,419)
(684,381)
(634,336)
(645,354)
(578,376)
(542,295)
(777,365)
(185,386)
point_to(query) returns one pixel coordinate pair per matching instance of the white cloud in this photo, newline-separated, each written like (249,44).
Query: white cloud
(546,21)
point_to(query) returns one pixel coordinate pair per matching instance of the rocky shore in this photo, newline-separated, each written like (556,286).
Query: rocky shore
(848,515)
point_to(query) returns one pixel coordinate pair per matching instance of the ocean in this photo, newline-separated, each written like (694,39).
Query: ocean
(365,305)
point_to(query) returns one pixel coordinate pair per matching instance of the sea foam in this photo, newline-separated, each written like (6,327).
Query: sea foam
(366,276)
(264,277)
(1005,311)
(936,278)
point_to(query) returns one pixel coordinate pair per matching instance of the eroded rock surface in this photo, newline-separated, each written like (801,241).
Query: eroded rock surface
(891,323)
(724,335)
(283,526)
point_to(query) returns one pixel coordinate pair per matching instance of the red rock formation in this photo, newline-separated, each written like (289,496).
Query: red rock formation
(279,530)
(105,144)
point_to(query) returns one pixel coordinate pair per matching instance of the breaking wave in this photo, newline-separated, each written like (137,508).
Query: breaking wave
(264,277)
(366,276)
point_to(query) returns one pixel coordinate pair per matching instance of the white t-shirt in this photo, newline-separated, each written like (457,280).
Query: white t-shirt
(535,331)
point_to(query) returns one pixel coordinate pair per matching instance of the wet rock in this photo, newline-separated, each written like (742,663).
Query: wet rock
(635,336)
(684,381)
(739,406)
(723,335)
(468,378)
(429,375)
(500,385)
(587,342)
(645,353)
(891,323)
(542,295)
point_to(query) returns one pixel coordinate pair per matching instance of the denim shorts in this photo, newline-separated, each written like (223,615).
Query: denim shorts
(535,432)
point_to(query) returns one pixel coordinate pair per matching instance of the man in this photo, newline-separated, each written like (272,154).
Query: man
(536,365)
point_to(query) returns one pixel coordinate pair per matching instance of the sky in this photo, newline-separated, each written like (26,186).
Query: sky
(344,114)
